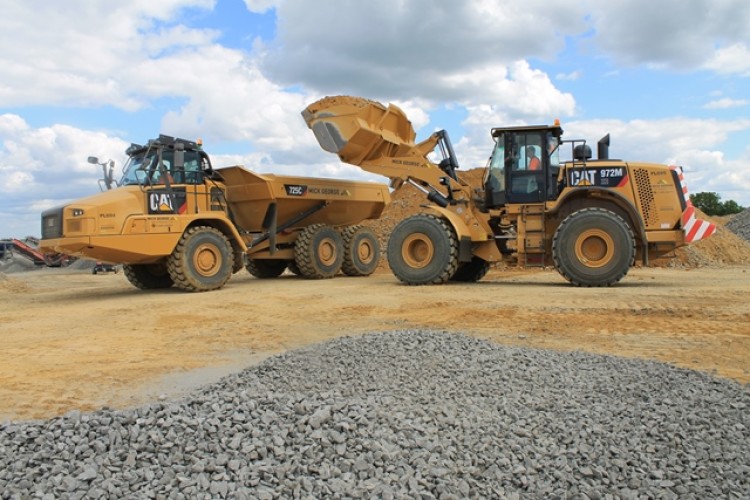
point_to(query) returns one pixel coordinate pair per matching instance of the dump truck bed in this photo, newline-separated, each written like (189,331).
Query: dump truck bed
(329,201)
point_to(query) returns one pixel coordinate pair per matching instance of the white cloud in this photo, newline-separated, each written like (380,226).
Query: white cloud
(675,33)
(261,6)
(421,49)
(76,53)
(734,59)
(51,159)
(726,103)
(570,77)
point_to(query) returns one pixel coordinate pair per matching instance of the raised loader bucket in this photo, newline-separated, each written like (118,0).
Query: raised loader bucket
(359,130)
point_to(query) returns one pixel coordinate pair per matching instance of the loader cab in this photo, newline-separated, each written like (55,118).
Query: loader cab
(524,165)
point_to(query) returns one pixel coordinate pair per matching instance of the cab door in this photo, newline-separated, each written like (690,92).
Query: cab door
(526,164)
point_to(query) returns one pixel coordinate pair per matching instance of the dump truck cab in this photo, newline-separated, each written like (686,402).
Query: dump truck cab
(166,160)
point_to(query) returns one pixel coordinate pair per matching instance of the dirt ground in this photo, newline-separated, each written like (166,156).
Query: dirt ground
(73,340)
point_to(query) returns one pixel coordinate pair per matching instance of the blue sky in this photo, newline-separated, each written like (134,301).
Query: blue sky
(669,80)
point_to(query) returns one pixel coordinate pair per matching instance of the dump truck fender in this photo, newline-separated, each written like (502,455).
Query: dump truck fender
(464,233)
(225,227)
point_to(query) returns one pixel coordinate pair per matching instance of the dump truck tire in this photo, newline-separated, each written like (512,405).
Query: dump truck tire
(266,268)
(202,260)
(319,252)
(593,247)
(148,276)
(361,251)
(239,262)
(471,271)
(423,250)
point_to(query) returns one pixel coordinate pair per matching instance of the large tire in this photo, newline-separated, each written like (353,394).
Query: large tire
(239,261)
(361,251)
(593,247)
(202,260)
(471,271)
(319,252)
(266,268)
(148,276)
(423,250)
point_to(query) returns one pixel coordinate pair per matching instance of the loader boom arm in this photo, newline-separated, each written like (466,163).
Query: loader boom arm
(380,140)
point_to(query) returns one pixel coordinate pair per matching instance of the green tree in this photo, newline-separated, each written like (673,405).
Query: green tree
(732,207)
(708,203)
(711,204)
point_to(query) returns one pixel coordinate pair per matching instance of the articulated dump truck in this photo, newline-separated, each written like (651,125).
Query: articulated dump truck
(175,220)
(591,219)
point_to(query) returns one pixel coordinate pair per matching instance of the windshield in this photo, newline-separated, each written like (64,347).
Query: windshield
(134,164)
(553,150)
(143,168)
(496,174)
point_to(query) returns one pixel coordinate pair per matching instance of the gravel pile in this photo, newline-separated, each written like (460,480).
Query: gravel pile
(739,224)
(16,264)
(409,414)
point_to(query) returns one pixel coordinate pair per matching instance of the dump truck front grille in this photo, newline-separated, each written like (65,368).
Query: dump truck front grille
(52,223)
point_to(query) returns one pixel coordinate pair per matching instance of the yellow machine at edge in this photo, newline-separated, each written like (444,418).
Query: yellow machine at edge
(174,220)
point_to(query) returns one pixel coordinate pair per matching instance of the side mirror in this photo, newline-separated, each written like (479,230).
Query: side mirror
(93,160)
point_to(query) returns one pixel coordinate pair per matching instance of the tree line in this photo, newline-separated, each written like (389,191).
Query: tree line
(711,204)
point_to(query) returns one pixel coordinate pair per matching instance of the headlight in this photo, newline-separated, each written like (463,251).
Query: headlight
(77,212)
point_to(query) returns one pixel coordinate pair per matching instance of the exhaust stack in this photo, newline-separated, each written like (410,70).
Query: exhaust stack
(602,148)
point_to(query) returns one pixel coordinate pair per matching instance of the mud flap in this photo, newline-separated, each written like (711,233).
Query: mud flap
(464,249)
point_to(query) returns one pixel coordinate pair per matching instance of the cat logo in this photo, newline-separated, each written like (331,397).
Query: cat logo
(582,177)
(160,202)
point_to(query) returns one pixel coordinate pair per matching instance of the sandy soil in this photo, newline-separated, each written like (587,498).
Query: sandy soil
(73,340)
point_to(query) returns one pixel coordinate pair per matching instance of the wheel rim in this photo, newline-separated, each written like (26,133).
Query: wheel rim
(327,251)
(595,248)
(365,252)
(417,250)
(207,260)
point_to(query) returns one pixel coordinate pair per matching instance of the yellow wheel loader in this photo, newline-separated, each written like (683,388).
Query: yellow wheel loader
(591,219)
(175,220)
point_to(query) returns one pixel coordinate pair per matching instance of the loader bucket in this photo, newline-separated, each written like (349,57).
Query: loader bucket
(358,129)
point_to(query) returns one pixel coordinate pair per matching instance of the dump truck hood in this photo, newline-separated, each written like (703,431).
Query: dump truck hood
(99,214)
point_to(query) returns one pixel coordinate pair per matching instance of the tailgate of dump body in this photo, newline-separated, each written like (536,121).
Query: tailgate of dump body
(343,203)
